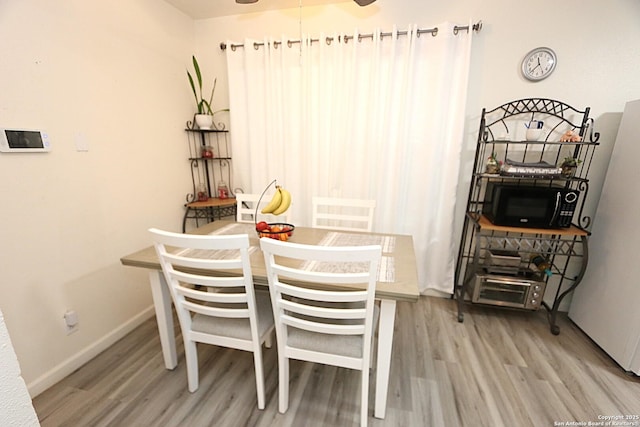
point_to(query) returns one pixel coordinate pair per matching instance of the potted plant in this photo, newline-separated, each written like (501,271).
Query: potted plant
(204,114)
(569,165)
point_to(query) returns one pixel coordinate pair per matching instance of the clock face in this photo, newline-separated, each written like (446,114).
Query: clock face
(539,63)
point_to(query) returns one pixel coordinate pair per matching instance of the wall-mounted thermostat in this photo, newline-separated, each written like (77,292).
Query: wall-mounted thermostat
(24,141)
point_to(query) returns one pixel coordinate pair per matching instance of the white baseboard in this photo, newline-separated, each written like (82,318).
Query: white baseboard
(65,368)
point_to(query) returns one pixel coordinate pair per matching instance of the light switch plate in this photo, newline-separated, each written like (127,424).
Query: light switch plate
(82,144)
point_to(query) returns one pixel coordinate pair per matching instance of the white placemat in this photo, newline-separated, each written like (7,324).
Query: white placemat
(335,238)
(386,269)
(235,228)
(214,254)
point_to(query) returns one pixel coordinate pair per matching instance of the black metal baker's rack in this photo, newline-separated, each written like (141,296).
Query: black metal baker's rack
(501,136)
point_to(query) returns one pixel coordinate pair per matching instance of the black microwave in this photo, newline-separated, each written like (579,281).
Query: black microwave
(529,206)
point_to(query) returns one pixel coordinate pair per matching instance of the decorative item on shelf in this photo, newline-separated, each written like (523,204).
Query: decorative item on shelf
(534,130)
(204,121)
(223,190)
(203,118)
(570,136)
(207,152)
(540,169)
(541,263)
(280,202)
(202,195)
(493,164)
(569,166)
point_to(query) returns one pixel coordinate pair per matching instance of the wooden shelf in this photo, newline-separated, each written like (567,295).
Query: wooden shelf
(485,224)
(212,202)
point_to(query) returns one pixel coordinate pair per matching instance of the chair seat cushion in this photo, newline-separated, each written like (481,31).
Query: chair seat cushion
(237,328)
(343,345)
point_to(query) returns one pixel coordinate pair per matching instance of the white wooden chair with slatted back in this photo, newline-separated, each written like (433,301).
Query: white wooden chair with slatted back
(330,319)
(246,209)
(214,308)
(342,214)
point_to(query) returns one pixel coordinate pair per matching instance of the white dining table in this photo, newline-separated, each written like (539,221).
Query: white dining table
(397,281)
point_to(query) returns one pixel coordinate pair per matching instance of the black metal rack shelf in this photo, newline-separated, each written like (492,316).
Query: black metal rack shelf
(566,249)
(208,173)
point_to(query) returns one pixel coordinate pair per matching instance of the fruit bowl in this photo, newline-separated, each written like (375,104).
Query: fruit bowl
(275,230)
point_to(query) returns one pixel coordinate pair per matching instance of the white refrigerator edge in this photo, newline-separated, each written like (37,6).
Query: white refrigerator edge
(606,304)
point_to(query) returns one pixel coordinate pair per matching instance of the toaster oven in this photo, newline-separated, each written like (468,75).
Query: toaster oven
(524,290)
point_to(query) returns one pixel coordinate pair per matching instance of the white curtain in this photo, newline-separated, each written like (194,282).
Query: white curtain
(373,117)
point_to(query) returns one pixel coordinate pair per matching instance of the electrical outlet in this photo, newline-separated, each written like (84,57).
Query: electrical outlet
(71,321)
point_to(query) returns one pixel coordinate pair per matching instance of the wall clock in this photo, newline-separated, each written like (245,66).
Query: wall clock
(539,63)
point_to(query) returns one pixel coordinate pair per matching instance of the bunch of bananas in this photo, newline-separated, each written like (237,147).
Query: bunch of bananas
(279,203)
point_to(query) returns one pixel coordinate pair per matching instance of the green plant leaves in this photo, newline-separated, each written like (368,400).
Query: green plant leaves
(202,105)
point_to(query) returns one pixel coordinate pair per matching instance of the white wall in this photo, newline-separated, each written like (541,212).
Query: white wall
(114,75)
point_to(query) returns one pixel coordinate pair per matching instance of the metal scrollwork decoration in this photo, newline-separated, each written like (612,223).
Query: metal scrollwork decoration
(584,220)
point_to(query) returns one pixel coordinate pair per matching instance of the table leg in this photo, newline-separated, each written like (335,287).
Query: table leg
(164,317)
(385,342)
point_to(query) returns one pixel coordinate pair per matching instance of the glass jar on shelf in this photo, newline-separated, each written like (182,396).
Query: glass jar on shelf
(223,190)
(207,152)
(201,194)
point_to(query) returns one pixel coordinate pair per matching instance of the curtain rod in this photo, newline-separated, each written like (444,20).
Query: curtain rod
(434,32)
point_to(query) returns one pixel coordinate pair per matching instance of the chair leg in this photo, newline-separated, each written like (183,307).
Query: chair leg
(268,341)
(257,360)
(191,356)
(283,383)
(364,398)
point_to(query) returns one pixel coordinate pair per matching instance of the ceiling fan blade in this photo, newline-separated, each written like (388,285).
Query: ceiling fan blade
(359,2)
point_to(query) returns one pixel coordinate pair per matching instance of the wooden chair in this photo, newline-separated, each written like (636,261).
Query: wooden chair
(246,209)
(329,320)
(214,307)
(342,214)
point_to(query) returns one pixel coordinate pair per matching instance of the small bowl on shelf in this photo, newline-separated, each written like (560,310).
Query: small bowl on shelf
(275,230)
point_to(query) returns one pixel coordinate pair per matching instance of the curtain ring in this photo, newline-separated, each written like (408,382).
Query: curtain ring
(275,45)
(289,44)
(233,47)
(255,45)
(328,40)
(434,32)
(359,38)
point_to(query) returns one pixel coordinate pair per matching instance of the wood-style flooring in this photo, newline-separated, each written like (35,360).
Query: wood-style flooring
(498,368)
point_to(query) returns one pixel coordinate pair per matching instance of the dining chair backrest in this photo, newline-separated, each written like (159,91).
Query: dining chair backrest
(342,214)
(246,209)
(323,305)
(211,284)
